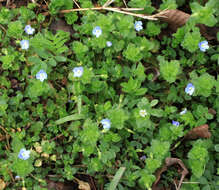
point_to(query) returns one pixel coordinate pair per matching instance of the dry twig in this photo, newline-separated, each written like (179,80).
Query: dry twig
(7,137)
(170,162)
(76,4)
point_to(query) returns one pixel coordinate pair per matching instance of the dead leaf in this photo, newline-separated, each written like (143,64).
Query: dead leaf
(53,185)
(82,185)
(176,18)
(154,70)
(2,184)
(199,132)
(212,111)
(170,162)
(60,25)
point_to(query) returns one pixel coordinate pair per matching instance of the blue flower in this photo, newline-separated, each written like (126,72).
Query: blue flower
(143,158)
(109,43)
(183,112)
(17,177)
(78,71)
(24,154)
(190,88)
(41,75)
(203,46)
(24,44)
(176,123)
(29,30)
(97,31)
(138,26)
(106,123)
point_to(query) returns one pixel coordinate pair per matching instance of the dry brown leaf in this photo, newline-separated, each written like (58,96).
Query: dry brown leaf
(212,111)
(60,25)
(2,184)
(176,18)
(82,185)
(199,132)
(53,185)
(2,137)
(170,162)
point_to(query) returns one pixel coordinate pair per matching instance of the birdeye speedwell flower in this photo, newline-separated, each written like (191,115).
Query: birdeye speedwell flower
(138,26)
(97,31)
(24,44)
(190,88)
(41,75)
(24,154)
(176,123)
(29,30)
(143,158)
(143,113)
(203,46)
(109,43)
(78,71)
(106,123)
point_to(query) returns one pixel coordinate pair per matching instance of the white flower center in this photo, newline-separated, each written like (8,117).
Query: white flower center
(143,113)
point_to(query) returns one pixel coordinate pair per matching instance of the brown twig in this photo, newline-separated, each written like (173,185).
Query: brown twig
(91,179)
(7,137)
(118,10)
(125,3)
(108,3)
(170,162)
(61,135)
(76,4)
(3,28)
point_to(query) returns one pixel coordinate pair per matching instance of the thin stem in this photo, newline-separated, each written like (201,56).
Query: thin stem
(108,3)
(119,10)
(7,135)
(125,3)
(81,9)
(128,13)
(132,9)
(3,28)
(76,4)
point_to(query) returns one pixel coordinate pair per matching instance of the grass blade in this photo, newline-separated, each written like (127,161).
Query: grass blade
(69,118)
(116,178)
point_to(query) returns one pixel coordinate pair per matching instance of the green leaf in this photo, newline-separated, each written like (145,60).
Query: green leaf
(118,117)
(191,40)
(146,179)
(152,29)
(72,117)
(154,102)
(133,53)
(204,84)
(216,147)
(36,128)
(152,164)
(170,70)
(71,17)
(7,61)
(22,167)
(116,178)
(204,15)
(3,105)
(60,58)
(15,29)
(16,144)
(168,4)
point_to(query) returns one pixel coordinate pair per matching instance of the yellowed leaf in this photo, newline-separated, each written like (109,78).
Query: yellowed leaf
(2,184)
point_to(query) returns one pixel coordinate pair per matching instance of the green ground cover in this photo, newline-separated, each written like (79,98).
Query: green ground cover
(105,95)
